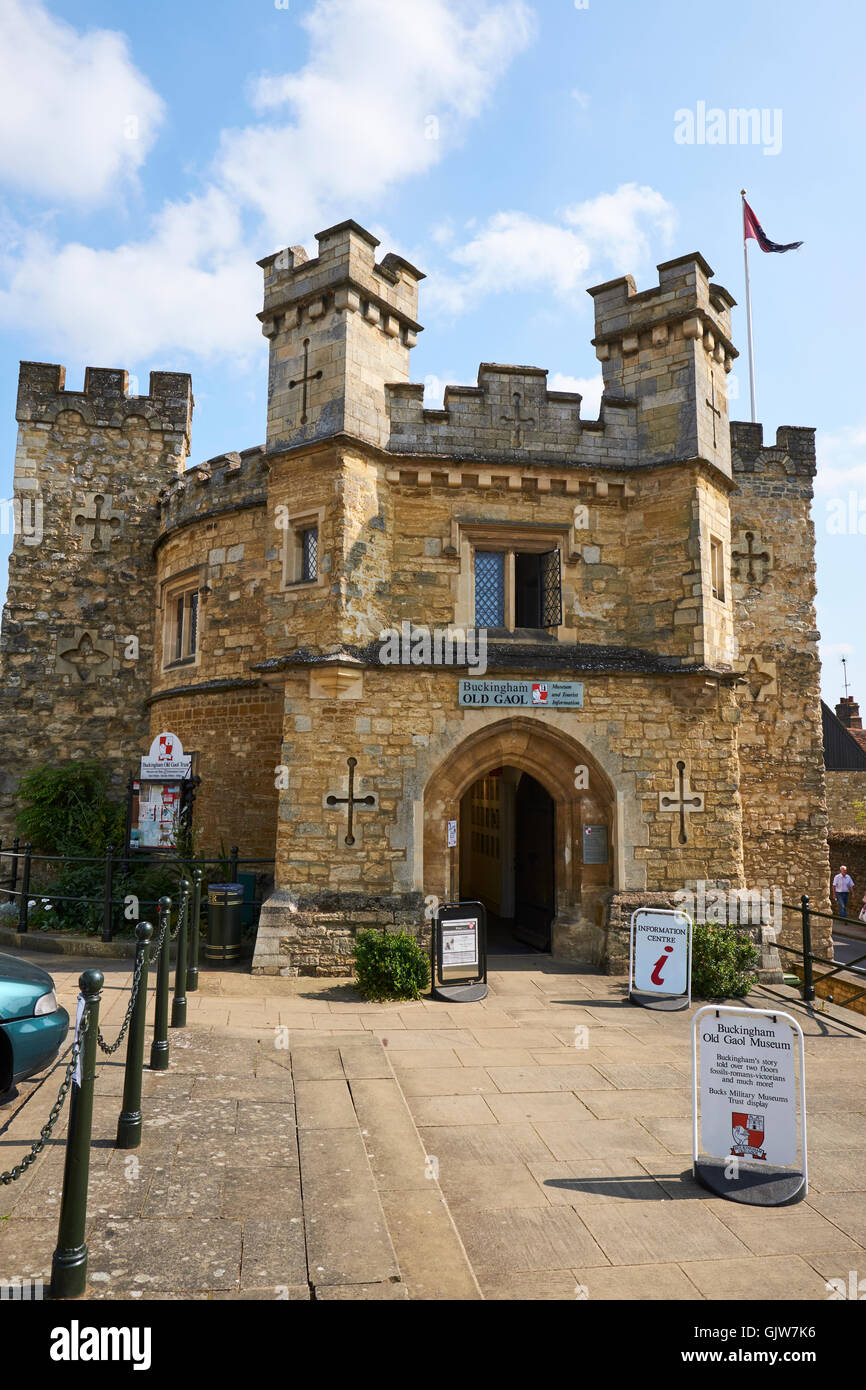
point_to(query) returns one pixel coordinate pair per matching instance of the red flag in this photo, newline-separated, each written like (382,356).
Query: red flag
(752,228)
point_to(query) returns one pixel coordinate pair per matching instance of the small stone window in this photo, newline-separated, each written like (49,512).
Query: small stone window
(181,629)
(302,557)
(717,568)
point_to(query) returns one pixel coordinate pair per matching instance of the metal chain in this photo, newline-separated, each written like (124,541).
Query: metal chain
(45,1133)
(136,981)
(173,933)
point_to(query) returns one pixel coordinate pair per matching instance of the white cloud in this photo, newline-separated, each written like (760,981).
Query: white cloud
(76,116)
(190,286)
(356,121)
(388,88)
(618,225)
(589,387)
(514,251)
(841,461)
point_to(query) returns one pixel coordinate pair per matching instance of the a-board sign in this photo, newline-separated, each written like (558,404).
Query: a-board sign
(459,952)
(660,958)
(744,1071)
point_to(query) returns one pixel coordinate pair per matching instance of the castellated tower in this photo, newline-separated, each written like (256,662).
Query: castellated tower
(76,645)
(340,326)
(669,348)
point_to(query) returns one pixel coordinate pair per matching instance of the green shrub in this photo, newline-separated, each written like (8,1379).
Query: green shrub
(68,810)
(390,965)
(723,961)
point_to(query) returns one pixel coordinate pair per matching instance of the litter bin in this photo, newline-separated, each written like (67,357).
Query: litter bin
(224,908)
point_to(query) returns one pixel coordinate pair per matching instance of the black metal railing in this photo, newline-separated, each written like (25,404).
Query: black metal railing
(27,877)
(69,1262)
(809,958)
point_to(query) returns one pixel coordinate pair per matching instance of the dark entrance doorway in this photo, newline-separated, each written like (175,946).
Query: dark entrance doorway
(507,823)
(533,863)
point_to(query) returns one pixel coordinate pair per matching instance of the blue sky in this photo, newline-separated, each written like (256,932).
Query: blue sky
(515,151)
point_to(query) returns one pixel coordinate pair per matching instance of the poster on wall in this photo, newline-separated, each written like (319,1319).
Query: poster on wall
(159,805)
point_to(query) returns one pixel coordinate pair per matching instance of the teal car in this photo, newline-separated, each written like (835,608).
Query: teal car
(33,1026)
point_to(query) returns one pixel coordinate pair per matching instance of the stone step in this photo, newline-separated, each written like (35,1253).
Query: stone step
(377,1225)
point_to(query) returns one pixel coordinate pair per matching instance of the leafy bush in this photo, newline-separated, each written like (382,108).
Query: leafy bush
(390,965)
(68,810)
(723,961)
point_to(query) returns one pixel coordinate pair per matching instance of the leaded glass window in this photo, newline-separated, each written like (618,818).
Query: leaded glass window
(489,588)
(310,553)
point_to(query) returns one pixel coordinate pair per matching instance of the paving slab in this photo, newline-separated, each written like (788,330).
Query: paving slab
(347,1237)
(189,1254)
(511,1240)
(767,1278)
(633,1233)
(274,1252)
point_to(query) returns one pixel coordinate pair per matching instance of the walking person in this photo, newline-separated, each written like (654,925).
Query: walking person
(842,885)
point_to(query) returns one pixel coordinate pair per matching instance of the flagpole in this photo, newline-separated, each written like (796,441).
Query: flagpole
(749,314)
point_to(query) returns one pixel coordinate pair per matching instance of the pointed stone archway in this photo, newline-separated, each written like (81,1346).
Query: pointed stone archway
(553,758)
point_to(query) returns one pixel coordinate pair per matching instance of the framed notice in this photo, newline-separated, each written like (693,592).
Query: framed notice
(595,844)
(458,952)
(460,944)
(749,1133)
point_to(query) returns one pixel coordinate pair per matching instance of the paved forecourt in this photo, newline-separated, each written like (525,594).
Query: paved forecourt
(305,1143)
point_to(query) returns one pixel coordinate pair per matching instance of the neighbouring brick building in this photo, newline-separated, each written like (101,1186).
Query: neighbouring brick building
(649,574)
(845,765)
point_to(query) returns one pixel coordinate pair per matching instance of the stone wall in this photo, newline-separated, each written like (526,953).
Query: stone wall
(845,789)
(76,649)
(618,930)
(402,725)
(234,734)
(781,741)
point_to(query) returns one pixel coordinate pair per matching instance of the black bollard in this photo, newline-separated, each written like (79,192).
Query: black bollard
(159,1046)
(808,977)
(178,1003)
(194,935)
(129,1123)
(69,1263)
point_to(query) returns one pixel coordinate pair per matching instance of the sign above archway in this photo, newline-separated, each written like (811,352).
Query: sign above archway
(537,694)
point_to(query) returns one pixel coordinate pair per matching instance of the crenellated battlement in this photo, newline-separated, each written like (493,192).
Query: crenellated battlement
(345,276)
(511,412)
(105,400)
(226,482)
(794,447)
(627,320)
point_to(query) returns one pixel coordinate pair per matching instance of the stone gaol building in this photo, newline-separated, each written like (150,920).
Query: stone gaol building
(491,650)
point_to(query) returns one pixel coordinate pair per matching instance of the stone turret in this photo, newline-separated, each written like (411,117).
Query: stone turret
(669,349)
(77,633)
(340,326)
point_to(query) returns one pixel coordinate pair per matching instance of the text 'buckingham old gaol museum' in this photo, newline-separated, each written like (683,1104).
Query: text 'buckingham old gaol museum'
(495,650)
